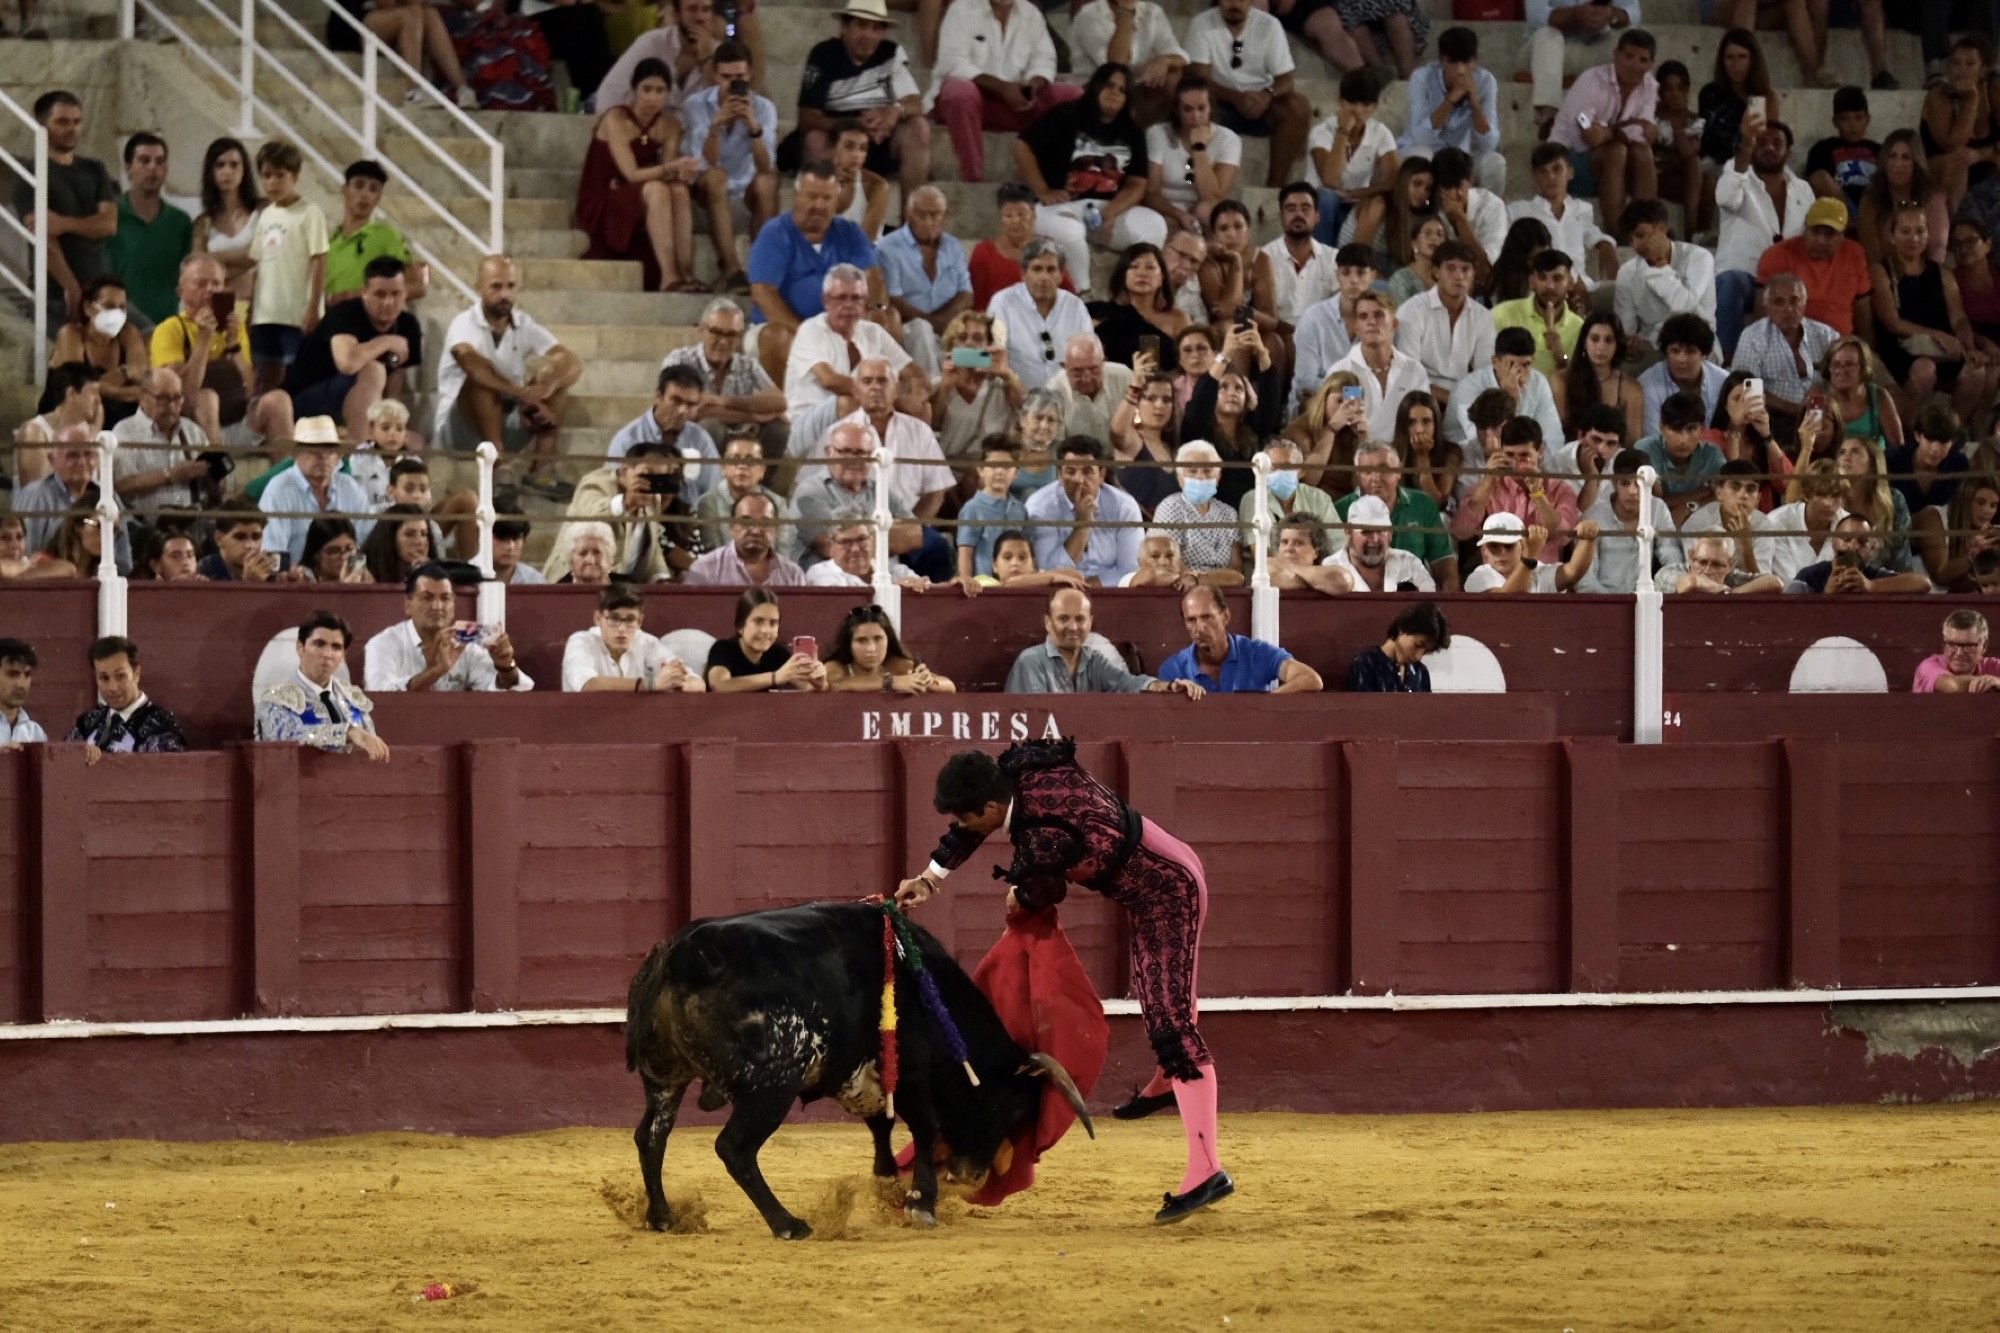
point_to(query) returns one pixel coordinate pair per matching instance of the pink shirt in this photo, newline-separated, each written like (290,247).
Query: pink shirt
(1595,93)
(1511,497)
(1931,669)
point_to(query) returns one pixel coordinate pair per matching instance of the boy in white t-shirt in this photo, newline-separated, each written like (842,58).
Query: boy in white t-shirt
(289,245)
(1353,154)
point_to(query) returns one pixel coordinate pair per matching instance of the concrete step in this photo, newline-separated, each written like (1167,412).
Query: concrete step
(610,376)
(643,344)
(582,276)
(567,306)
(606,411)
(550,214)
(421,158)
(522,242)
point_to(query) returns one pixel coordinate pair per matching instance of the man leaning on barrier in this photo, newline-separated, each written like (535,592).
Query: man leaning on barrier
(315,708)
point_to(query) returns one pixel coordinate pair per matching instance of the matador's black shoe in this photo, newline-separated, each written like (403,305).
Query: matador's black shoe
(1138,1106)
(1213,1190)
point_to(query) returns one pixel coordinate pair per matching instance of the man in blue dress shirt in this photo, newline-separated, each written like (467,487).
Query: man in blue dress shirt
(1454,102)
(927,276)
(1225,663)
(1064,517)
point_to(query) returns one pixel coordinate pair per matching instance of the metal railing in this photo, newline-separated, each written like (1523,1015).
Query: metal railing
(255,112)
(33,283)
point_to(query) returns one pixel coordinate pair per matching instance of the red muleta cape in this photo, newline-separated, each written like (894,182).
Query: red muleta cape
(1037,985)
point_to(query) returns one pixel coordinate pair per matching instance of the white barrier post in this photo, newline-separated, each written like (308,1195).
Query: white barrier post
(1648,629)
(128,19)
(41,276)
(112,613)
(492,599)
(1263,597)
(887,595)
(246,73)
(369,91)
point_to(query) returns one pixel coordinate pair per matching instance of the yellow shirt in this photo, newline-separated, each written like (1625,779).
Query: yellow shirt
(173,340)
(1519,314)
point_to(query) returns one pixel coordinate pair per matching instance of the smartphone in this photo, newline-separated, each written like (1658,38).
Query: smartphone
(1150,344)
(1583,121)
(356,562)
(1353,393)
(1847,559)
(739,87)
(972,358)
(467,632)
(1753,387)
(1245,316)
(1816,403)
(805,645)
(224,305)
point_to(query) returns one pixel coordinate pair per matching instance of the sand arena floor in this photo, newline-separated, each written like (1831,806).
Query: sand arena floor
(1854,1218)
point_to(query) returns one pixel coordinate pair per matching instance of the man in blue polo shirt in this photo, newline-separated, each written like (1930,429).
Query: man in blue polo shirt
(1221,662)
(790,258)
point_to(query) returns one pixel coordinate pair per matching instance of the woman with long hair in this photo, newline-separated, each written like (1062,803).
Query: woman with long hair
(1417,277)
(1902,177)
(14,560)
(1857,407)
(868,654)
(73,551)
(633,198)
(1597,375)
(1235,413)
(1741,73)
(1949,539)
(1387,223)
(398,543)
(101,334)
(1432,461)
(1142,431)
(1741,428)
(1925,341)
(1978,283)
(1228,272)
(329,546)
(1959,126)
(1191,161)
(1070,158)
(753,661)
(1865,478)
(973,401)
(1038,424)
(1328,431)
(1140,308)
(1525,239)
(229,204)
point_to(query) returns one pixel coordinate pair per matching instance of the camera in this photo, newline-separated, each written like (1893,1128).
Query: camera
(219,463)
(663,483)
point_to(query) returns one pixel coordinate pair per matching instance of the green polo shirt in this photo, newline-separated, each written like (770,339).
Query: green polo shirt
(148,255)
(348,253)
(1413,508)
(1522,314)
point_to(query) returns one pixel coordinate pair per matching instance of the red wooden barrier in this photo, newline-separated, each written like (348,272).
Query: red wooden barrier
(493,874)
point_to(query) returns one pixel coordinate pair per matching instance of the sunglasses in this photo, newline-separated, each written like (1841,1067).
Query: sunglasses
(1048,346)
(1236,54)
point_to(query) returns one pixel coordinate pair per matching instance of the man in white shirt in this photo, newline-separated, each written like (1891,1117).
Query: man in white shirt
(1733,515)
(1444,328)
(617,654)
(1369,558)
(1386,372)
(995,70)
(1818,510)
(17,677)
(1040,316)
(1567,39)
(919,479)
(1512,369)
(1663,278)
(831,344)
(1508,569)
(1138,35)
(1089,389)
(1350,149)
(850,561)
(1476,217)
(155,466)
(1325,334)
(433,650)
(1247,60)
(1748,195)
(1303,272)
(1572,222)
(1621,565)
(485,388)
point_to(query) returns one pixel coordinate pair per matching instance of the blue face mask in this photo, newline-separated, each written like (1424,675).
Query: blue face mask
(1198,490)
(1284,484)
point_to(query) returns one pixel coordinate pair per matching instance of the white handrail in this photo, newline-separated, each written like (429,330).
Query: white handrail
(34,283)
(1648,629)
(888,594)
(113,615)
(491,600)
(366,138)
(1263,595)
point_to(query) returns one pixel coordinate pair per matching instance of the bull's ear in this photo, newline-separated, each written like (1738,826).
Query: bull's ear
(1047,1066)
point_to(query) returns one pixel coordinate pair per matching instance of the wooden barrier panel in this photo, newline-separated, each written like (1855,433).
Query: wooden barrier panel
(494,875)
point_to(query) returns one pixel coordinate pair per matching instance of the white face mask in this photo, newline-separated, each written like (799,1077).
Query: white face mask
(109,322)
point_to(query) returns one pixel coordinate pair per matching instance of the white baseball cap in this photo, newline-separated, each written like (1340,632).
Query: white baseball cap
(1368,512)
(1501,530)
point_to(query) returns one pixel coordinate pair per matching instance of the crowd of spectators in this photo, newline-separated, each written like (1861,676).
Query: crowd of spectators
(1454,385)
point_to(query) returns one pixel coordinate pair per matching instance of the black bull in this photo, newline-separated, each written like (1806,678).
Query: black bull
(771,1007)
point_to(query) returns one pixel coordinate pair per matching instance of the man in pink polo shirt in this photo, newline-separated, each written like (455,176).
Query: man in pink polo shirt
(1963,666)
(1606,123)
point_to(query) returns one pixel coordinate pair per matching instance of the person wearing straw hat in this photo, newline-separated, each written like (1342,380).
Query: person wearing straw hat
(314,485)
(1508,569)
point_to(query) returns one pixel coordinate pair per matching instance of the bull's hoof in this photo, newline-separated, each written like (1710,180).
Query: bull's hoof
(921,1217)
(660,1221)
(792,1230)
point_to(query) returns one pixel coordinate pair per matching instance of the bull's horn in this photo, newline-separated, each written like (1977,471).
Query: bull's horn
(1048,1067)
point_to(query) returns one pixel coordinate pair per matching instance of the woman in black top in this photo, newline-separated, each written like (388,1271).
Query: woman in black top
(1140,307)
(1090,153)
(1525,239)
(1235,414)
(1740,74)
(753,661)
(1397,667)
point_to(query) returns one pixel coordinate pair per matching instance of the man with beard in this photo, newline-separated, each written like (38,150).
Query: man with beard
(17,677)
(748,558)
(1418,526)
(1064,664)
(1303,272)
(1225,663)
(1761,202)
(1371,561)
(486,389)
(433,650)
(83,205)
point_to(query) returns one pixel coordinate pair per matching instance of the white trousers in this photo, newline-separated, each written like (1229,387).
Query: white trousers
(1551,55)
(920,340)
(1063,224)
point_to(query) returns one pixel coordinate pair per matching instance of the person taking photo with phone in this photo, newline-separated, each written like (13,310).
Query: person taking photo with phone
(434,650)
